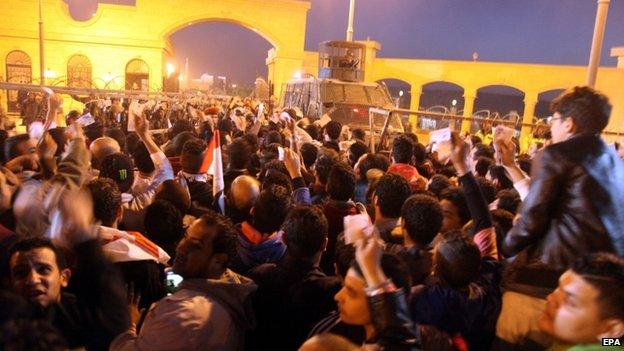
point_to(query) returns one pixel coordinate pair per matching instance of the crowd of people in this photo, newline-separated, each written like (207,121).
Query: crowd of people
(240,228)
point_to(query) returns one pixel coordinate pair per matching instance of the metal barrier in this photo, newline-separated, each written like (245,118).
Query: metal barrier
(480,119)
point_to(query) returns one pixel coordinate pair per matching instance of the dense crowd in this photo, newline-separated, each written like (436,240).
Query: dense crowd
(243,228)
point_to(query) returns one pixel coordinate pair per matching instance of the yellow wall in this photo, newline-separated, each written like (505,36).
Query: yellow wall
(116,34)
(531,79)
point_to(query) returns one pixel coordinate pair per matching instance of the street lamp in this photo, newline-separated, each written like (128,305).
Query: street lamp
(454,102)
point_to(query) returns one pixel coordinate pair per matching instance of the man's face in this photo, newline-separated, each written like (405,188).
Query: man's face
(36,276)
(352,301)
(194,252)
(559,128)
(451,219)
(572,312)
(27,147)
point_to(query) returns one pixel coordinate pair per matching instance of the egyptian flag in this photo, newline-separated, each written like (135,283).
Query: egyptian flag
(213,165)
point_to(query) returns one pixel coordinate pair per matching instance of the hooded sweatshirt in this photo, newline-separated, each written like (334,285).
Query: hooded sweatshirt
(256,248)
(203,314)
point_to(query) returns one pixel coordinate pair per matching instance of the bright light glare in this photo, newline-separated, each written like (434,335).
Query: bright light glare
(454,102)
(401,93)
(297,75)
(48,73)
(170,69)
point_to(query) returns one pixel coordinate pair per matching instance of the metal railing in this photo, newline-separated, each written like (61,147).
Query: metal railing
(512,124)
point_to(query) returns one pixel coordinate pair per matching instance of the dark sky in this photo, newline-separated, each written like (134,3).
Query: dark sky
(536,31)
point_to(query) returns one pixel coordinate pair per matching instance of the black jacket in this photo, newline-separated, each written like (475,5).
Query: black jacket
(291,298)
(395,331)
(575,206)
(97,311)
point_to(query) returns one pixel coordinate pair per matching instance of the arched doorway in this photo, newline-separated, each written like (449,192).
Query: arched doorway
(230,65)
(400,91)
(542,109)
(441,93)
(137,75)
(18,70)
(79,72)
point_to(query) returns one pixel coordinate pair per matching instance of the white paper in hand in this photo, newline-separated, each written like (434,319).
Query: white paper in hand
(503,133)
(357,227)
(134,110)
(441,142)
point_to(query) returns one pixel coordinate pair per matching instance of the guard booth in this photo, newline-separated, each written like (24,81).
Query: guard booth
(342,60)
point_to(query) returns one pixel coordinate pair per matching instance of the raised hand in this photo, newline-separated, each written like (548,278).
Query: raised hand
(292,163)
(459,154)
(368,252)
(505,152)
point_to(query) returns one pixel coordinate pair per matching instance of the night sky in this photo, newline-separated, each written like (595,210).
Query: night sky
(536,31)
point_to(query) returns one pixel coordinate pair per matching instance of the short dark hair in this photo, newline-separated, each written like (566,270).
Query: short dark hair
(174,148)
(333,129)
(341,182)
(239,153)
(482,166)
(524,162)
(358,133)
(332,144)
(371,161)
(192,155)
(509,200)
(502,221)
(305,231)
(422,218)
(163,224)
(309,153)
(344,255)
(313,131)
(106,200)
(438,183)
(392,190)
(482,150)
(588,109)
(142,158)
(172,191)
(457,259)
(605,272)
(403,149)
(395,269)
(271,208)
(457,197)
(225,125)
(120,168)
(420,153)
(275,177)
(29,244)
(226,237)
(11,143)
(488,190)
(357,149)
(273,137)
(323,166)
(119,136)
(498,172)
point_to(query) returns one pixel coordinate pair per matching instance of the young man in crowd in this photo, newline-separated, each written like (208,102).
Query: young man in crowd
(211,310)
(96,311)
(402,157)
(588,305)
(293,294)
(391,192)
(574,207)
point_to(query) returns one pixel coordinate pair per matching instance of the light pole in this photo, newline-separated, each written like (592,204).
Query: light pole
(41,51)
(599,29)
(350,24)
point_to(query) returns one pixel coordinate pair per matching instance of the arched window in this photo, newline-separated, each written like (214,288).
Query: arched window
(18,70)
(137,75)
(79,72)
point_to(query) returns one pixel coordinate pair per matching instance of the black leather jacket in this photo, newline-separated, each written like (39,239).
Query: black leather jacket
(575,206)
(395,329)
